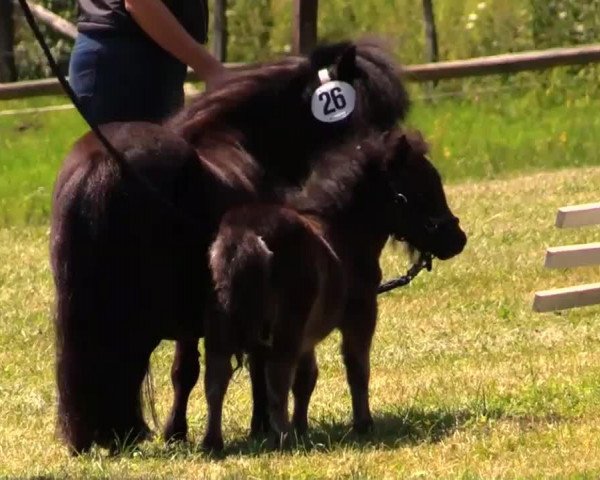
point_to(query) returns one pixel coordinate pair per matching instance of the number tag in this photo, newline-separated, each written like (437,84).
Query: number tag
(333,101)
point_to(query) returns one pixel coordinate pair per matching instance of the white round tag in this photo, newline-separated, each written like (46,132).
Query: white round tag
(333,101)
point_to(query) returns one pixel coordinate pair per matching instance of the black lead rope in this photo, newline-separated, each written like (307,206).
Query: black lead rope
(423,263)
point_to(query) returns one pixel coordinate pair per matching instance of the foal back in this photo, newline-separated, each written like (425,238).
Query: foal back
(277,280)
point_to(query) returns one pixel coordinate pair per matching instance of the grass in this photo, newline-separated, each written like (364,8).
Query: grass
(467,382)
(479,136)
(32,147)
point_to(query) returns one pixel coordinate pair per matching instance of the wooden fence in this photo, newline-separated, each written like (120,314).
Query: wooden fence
(497,64)
(304,39)
(569,257)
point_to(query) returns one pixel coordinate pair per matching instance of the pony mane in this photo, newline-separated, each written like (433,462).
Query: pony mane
(230,164)
(336,174)
(378,80)
(210,109)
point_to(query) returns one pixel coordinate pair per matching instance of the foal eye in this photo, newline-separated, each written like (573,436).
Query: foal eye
(400,198)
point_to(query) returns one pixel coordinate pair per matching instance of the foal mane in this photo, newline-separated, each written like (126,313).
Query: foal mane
(337,172)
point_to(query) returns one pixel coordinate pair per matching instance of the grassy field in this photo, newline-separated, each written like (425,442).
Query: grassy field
(492,134)
(467,382)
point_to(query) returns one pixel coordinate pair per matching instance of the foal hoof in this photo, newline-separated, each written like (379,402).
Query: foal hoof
(283,441)
(175,430)
(259,427)
(363,427)
(212,444)
(172,434)
(301,427)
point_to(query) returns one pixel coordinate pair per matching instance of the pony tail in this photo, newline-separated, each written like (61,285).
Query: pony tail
(240,267)
(77,419)
(97,369)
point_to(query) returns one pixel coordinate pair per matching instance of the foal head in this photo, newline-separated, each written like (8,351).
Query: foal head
(418,211)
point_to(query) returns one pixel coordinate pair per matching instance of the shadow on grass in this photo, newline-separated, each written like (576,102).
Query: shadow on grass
(405,427)
(392,430)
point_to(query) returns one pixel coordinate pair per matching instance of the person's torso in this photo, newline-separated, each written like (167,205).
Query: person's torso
(110,15)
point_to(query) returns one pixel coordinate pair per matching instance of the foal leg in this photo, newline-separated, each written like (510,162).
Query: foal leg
(357,333)
(216,380)
(304,385)
(279,373)
(184,375)
(260,412)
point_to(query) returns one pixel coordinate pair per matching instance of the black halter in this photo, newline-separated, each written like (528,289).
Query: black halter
(425,259)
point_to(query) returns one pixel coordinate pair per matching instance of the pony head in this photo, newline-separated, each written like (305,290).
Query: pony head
(419,213)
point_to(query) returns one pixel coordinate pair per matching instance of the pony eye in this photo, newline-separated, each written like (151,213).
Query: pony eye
(401,198)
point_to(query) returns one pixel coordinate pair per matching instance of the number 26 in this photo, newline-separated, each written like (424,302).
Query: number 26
(335,97)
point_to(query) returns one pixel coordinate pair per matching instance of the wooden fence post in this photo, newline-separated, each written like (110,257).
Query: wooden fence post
(305,26)
(431,40)
(220,30)
(8,71)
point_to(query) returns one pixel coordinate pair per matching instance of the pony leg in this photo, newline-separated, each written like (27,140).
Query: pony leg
(260,412)
(357,333)
(304,385)
(216,380)
(279,373)
(184,375)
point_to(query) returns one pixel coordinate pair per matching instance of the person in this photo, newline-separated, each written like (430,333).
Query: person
(130,57)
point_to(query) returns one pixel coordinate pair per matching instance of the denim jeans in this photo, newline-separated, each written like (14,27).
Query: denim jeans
(124,78)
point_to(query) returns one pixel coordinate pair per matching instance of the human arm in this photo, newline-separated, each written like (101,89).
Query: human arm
(162,26)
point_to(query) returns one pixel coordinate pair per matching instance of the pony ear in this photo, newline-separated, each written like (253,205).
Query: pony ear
(346,65)
(408,142)
(400,146)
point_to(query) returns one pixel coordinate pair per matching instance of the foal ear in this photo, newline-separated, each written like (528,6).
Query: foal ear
(399,144)
(346,65)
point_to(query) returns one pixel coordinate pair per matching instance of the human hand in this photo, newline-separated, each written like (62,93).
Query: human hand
(217,77)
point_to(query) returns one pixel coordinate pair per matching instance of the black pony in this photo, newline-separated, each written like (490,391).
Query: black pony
(287,275)
(129,262)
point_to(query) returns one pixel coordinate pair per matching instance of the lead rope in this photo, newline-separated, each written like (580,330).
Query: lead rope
(423,263)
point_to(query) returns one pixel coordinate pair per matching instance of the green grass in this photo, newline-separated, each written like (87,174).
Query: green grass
(467,382)
(480,136)
(31,149)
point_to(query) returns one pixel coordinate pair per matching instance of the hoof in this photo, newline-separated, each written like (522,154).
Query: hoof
(259,427)
(81,448)
(300,427)
(212,444)
(174,433)
(363,427)
(283,441)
